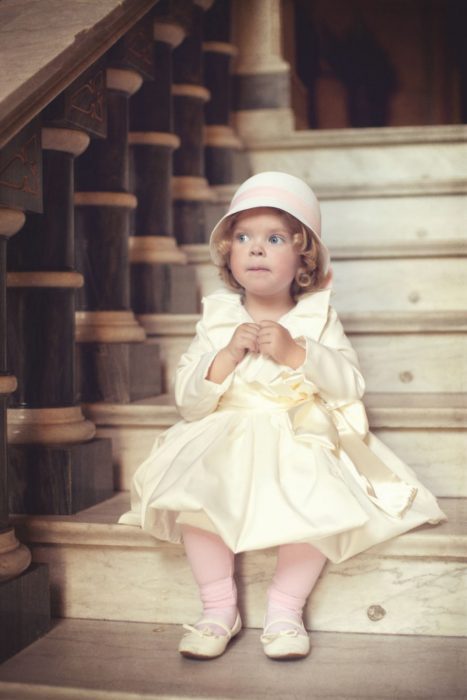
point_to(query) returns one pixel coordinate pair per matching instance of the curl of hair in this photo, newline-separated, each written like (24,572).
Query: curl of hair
(309,275)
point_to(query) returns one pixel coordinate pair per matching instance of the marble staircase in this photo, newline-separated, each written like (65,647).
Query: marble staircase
(394,211)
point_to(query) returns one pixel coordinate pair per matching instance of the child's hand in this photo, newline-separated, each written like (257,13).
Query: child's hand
(275,341)
(243,340)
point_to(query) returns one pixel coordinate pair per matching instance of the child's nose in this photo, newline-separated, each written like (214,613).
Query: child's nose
(257,248)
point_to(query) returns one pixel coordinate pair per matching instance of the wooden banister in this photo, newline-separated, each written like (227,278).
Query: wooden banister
(33,73)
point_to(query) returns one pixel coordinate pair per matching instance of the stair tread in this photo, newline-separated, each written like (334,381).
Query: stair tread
(98,525)
(198,253)
(350,137)
(125,660)
(420,321)
(389,410)
(373,400)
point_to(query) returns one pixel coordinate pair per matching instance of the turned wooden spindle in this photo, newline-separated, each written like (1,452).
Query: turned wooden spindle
(190,187)
(160,280)
(14,557)
(24,587)
(116,364)
(52,451)
(221,143)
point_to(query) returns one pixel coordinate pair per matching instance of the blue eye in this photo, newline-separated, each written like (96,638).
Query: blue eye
(241,237)
(275,239)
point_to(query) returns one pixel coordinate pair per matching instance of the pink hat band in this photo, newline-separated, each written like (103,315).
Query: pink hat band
(307,214)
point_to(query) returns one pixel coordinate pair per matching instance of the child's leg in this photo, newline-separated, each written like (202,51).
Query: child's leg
(212,563)
(297,570)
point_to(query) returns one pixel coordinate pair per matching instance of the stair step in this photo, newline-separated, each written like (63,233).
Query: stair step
(387,161)
(424,225)
(368,279)
(426,430)
(353,322)
(398,350)
(367,190)
(82,659)
(395,224)
(102,570)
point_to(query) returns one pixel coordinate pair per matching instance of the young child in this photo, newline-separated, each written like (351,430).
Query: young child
(273,448)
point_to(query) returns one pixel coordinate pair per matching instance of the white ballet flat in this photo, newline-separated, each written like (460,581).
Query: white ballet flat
(293,643)
(204,643)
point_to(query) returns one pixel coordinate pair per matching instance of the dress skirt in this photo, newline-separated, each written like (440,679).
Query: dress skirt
(269,457)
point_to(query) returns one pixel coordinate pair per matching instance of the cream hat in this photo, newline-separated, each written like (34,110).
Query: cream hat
(281,191)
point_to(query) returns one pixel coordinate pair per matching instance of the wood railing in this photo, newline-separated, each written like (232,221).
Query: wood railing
(94,206)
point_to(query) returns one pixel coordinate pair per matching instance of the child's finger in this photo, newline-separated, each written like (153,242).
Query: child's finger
(265,335)
(267,324)
(248,337)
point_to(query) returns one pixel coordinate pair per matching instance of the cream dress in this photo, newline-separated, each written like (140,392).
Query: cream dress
(274,455)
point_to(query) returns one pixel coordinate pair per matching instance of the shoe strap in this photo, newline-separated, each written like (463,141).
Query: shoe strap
(203,632)
(284,621)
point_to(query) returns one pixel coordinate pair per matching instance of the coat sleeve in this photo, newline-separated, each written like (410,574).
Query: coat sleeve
(332,365)
(196,396)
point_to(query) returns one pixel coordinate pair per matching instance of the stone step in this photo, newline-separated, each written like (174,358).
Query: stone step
(386,226)
(413,584)
(426,430)
(400,160)
(99,660)
(398,351)
(376,278)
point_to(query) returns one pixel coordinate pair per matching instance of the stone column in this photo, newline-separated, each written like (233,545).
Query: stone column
(160,280)
(262,77)
(24,588)
(55,465)
(116,365)
(190,188)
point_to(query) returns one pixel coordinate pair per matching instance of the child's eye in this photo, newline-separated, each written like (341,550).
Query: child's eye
(242,237)
(275,239)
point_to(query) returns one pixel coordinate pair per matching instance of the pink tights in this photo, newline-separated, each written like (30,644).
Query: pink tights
(212,562)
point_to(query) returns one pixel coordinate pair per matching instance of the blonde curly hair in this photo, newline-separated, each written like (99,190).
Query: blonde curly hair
(309,275)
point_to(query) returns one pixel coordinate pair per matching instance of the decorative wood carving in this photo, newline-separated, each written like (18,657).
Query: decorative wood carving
(88,99)
(83,104)
(21,171)
(135,50)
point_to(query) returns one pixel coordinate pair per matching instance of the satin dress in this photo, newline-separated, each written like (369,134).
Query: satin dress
(275,455)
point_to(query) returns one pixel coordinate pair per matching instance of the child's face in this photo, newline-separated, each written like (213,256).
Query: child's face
(262,257)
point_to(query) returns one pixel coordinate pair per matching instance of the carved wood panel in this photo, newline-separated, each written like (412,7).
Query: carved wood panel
(83,104)
(21,170)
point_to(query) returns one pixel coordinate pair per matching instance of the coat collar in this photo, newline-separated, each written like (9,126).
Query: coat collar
(223,311)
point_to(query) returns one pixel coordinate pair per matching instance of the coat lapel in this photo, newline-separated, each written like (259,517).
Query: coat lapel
(223,312)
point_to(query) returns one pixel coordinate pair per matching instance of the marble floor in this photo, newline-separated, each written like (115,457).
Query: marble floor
(82,659)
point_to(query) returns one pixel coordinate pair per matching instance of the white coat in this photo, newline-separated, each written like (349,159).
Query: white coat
(275,455)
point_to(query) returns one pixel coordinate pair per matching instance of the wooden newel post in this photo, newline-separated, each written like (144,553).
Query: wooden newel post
(191,190)
(24,588)
(160,280)
(116,365)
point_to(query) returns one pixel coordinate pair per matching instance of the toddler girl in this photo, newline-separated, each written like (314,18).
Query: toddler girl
(273,448)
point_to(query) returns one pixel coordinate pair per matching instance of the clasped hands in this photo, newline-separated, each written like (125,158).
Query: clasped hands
(267,338)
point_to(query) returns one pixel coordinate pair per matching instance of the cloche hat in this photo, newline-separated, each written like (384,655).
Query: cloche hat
(281,191)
